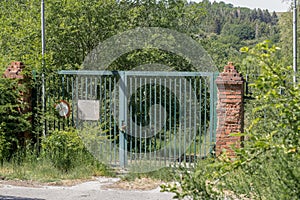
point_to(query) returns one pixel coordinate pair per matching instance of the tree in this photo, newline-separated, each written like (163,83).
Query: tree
(19,33)
(286,36)
(242,31)
(74,28)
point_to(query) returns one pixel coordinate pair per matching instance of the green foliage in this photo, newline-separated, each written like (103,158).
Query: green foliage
(64,148)
(267,167)
(4,145)
(223,49)
(194,184)
(13,122)
(273,145)
(94,137)
(285,25)
(20,32)
(243,31)
(35,167)
(74,28)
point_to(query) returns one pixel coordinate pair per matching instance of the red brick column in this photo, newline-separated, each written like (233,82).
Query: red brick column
(230,110)
(14,71)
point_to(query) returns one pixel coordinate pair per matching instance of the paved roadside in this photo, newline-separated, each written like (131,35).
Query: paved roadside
(92,190)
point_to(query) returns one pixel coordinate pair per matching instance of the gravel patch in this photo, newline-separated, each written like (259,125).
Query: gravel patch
(102,188)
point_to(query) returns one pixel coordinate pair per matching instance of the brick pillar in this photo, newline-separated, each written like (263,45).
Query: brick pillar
(230,109)
(14,71)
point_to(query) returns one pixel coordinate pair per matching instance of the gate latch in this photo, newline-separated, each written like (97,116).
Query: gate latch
(123,127)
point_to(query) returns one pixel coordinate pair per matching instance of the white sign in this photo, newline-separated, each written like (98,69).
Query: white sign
(88,110)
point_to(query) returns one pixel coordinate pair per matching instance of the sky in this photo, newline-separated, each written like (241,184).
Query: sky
(271,5)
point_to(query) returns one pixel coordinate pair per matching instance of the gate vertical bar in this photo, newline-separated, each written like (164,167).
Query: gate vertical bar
(165,118)
(140,97)
(195,118)
(180,125)
(216,74)
(130,121)
(212,111)
(76,98)
(170,118)
(72,102)
(200,116)
(175,112)
(190,117)
(63,97)
(135,117)
(205,118)
(110,118)
(115,123)
(150,132)
(122,120)
(155,79)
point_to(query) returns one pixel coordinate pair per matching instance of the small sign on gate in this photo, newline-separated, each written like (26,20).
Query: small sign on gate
(88,110)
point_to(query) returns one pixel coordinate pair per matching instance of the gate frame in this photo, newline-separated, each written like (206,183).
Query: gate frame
(123,99)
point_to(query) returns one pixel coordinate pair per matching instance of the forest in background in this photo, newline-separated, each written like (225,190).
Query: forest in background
(74,28)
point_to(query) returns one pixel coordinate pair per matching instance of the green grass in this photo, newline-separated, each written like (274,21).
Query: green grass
(38,168)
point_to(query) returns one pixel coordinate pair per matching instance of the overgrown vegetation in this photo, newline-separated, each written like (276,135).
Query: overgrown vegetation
(14,124)
(36,168)
(62,156)
(65,149)
(267,166)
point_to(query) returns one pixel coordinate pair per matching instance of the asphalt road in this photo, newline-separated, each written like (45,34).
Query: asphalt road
(85,191)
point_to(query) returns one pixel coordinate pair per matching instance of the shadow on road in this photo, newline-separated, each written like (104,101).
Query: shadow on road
(17,198)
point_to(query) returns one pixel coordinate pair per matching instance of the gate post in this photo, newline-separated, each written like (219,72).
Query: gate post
(123,120)
(230,110)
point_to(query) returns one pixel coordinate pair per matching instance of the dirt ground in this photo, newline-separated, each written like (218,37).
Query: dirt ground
(99,188)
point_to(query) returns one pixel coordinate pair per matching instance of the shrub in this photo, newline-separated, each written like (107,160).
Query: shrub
(64,148)
(3,145)
(13,123)
(267,167)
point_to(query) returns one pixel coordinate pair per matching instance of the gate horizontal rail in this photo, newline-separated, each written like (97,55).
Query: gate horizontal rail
(137,73)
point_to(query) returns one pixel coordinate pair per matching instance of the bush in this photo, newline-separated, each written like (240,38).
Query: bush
(195,182)
(65,149)
(267,167)
(4,145)
(13,123)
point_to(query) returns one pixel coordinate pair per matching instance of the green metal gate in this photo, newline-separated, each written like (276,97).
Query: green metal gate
(142,119)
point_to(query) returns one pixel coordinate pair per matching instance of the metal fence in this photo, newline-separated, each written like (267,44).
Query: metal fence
(138,119)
